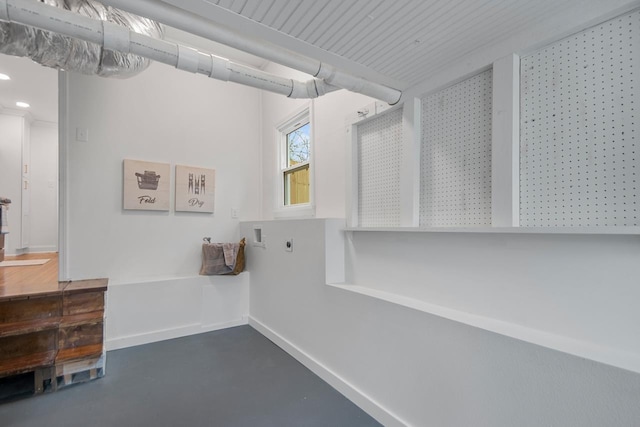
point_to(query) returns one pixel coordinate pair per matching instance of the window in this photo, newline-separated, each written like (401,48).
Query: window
(295,156)
(296,170)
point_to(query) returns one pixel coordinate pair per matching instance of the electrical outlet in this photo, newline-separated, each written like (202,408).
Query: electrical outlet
(234,213)
(288,245)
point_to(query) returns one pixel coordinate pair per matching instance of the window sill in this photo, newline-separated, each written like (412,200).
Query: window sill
(292,212)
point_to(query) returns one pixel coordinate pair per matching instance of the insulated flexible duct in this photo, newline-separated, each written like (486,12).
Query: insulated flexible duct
(62,52)
(118,38)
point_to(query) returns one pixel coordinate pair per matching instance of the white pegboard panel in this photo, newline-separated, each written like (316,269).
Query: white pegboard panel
(579,159)
(455,166)
(379,164)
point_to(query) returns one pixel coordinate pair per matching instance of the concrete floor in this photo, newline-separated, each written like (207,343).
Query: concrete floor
(234,377)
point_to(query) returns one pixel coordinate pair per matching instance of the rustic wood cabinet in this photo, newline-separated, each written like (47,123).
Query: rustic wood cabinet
(55,332)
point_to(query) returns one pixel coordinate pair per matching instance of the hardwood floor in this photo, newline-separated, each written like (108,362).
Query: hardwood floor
(29,279)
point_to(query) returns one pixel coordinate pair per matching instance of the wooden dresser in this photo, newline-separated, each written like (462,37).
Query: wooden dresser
(54,331)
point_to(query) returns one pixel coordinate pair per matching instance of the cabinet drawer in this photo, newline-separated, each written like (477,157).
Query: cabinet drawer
(30,309)
(80,335)
(82,302)
(23,345)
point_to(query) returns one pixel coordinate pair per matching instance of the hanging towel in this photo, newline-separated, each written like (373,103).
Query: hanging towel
(222,258)
(230,251)
(4,225)
(213,260)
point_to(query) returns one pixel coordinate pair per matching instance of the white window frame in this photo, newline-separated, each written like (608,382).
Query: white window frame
(292,122)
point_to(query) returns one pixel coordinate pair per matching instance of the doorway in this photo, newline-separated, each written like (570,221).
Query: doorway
(29,167)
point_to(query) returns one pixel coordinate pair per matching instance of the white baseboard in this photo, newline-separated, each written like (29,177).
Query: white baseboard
(33,250)
(16,252)
(167,334)
(366,403)
(41,249)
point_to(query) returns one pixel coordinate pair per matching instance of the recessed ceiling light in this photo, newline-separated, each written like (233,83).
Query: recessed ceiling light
(4,77)
(22,104)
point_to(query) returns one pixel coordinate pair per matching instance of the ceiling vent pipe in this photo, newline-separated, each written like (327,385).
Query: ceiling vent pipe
(192,23)
(117,38)
(62,52)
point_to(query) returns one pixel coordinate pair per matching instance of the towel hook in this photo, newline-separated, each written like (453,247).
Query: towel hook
(207,239)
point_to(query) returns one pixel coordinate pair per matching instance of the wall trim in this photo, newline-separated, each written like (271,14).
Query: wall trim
(63,173)
(350,391)
(20,113)
(42,249)
(204,280)
(167,334)
(44,123)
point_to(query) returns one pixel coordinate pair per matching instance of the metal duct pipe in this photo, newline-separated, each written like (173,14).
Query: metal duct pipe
(178,18)
(121,39)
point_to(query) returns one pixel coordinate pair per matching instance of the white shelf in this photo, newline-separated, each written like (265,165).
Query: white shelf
(505,230)
(586,349)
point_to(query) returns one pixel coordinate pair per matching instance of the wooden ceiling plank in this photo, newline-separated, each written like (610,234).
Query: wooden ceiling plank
(225,3)
(363,23)
(342,24)
(287,13)
(308,32)
(471,39)
(439,34)
(249,9)
(524,20)
(326,26)
(367,27)
(379,26)
(304,20)
(262,10)
(238,5)
(416,24)
(296,16)
(278,9)
(387,27)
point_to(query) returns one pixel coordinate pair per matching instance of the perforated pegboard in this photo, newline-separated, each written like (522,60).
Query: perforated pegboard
(455,171)
(579,129)
(379,163)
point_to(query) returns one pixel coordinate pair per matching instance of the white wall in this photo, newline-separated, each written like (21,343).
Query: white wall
(44,187)
(407,367)
(161,115)
(574,293)
(141,312)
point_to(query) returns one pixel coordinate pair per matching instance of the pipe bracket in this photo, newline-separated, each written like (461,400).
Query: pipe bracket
(312,89)
(115,37)
(187,59)
(326,72)
(219,69)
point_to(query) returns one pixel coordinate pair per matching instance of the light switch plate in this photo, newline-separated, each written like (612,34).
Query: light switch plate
(82,134)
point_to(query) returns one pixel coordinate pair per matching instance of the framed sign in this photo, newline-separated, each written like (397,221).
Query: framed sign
(146,185)
(195,189)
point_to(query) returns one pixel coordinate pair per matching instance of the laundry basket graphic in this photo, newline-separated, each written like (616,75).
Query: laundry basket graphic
(148,180)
